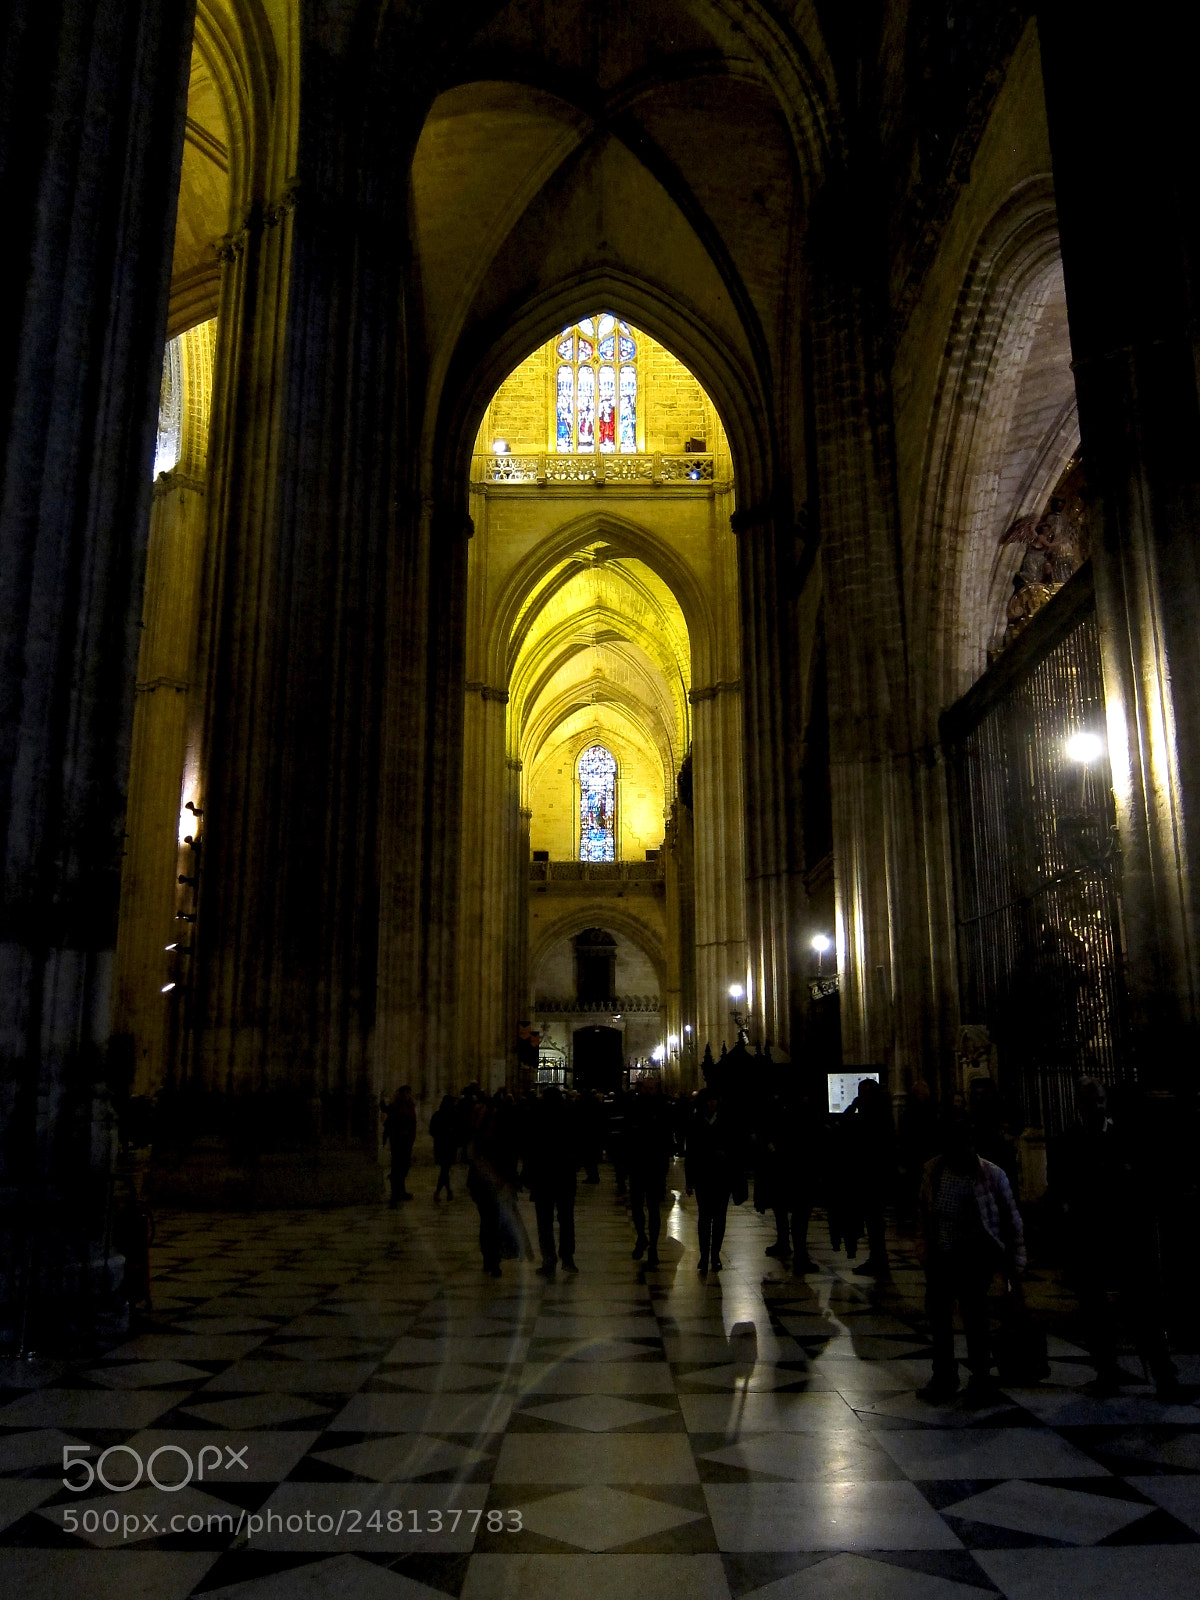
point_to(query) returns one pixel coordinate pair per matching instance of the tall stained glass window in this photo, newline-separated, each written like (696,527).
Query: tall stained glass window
(596,388)
(597,805)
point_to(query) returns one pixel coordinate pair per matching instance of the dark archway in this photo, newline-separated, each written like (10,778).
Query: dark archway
(597,1059)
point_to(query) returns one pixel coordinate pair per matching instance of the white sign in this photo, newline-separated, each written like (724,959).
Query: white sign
(843,1087)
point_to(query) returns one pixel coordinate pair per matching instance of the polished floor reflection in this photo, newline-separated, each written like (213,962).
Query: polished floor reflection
(408,1428)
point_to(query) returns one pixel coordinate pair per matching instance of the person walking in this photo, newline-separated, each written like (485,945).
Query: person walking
(444,1131)
(400,1132)
(618,1140)
(800,1178)
(710,1170)
(552,1158)
(485,1180)
(649,1143)
(969,1230)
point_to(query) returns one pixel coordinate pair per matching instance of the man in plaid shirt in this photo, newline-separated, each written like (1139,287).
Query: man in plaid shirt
(970,1229)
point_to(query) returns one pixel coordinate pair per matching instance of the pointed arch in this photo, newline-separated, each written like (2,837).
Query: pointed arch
(624,537)
(959,574)
(489,351)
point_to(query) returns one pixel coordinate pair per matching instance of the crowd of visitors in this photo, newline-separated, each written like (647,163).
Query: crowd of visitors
(946,1172)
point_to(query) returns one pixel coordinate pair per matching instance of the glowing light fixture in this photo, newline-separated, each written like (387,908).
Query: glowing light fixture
(499,447)
(166,988)
(673,1041)
(658,1053)
(1085,747)
(821,942)
(736,991)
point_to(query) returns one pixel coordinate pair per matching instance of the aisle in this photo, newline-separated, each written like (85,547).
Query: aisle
(649,1435)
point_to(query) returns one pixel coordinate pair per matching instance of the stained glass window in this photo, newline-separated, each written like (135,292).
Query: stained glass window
(565,420)
(596,387)
(597,805)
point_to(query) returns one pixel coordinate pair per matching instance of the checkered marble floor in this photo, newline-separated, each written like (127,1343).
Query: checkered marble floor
(647,1434)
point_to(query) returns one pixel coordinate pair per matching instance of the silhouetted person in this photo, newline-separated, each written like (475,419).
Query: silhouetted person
(649,1142)
(485,1180)
(873,1154)
(987,1119)
(916,1143)
(551,1163)
(842,1197)
(593,1124)
(444,1131)
(801,1175)
(400,1132)
(710,1169)
(1111,1241)
(618,1139)
(970,1229)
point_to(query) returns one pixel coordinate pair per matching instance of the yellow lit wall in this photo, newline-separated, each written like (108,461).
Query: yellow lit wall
(554,789)
(672,407)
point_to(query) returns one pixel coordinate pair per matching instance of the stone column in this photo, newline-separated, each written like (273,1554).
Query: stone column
(518,979)
(883,958)
(774,888)
(329,617)
(514,925)
(150,892)
(91,131)
(721,949)
(487,886)
(1120,104)
(152,979)
(674,917)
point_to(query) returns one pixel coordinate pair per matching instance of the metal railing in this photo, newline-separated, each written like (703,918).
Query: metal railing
(595,871)
(1041,952)
(659,468)
(614,1005)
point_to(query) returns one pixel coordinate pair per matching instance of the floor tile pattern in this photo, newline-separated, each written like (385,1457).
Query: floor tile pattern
(409,1429)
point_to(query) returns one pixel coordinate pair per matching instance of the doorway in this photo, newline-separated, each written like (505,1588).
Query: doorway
(598,1060)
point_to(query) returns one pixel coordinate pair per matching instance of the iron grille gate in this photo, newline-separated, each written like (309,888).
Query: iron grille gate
(1040,944)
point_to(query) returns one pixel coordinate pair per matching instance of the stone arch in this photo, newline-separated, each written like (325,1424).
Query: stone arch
(972,490)
(234,46)
(601,913)
(487,354)
(626,538)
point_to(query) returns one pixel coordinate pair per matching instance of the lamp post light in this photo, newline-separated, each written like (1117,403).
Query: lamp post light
(741,1019)
(1083,748)
(820,943)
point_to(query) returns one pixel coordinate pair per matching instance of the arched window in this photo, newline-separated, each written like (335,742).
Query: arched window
(597,805)
(596,388)
(169,445)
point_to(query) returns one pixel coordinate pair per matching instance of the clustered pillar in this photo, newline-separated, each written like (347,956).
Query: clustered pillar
(1126,167)
(91,130)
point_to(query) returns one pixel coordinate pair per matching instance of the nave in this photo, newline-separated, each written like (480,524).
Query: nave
(654,1434)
